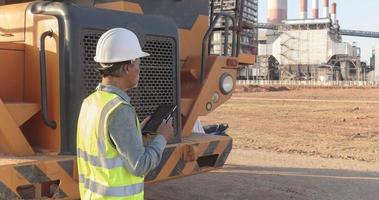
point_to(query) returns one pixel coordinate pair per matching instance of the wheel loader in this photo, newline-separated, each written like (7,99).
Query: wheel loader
(47,69)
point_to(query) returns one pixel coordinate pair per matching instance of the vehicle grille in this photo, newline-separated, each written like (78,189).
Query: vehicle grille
(157,78)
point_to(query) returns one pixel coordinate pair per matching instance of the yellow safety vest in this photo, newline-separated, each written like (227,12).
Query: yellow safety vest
(102,174)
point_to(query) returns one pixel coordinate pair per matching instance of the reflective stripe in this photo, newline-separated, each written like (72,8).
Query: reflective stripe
(100,161)
(110,105)
(121,191)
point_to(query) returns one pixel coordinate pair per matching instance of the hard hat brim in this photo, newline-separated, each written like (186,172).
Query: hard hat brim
(116,60)
(144,54)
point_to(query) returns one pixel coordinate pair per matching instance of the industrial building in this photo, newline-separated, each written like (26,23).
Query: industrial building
(308,48)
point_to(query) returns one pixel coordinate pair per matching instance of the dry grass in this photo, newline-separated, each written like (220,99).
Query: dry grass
(343,124)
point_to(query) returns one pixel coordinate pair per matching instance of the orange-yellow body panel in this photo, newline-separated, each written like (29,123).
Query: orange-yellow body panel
(13,141)
(248,59)
(121,6)
(12,72)
(191,39)
(21,112)
(216,66)
(21,71)
(35,130)
(12,20)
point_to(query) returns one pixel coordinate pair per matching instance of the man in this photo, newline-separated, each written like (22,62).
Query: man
(111,157)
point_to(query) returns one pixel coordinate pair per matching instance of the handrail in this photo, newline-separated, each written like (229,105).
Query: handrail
(42,58)
(206,40)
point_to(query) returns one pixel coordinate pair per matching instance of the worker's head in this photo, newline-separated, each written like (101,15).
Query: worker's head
(118,53)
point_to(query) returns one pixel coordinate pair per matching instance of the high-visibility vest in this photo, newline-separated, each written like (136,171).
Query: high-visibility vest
(102,174)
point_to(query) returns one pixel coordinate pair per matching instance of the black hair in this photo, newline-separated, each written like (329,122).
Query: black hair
(112,69)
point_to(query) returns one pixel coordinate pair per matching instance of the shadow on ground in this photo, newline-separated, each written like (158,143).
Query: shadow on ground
(242,182)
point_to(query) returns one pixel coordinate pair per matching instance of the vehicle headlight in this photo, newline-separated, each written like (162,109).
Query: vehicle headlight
(226,83)
(215,97)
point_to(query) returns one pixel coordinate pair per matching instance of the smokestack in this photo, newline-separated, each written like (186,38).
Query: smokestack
(325,9)
(277,11)
(333,12)
(315,9)
(303,9)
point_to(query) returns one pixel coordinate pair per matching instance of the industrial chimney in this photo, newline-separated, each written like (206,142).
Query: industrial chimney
(315,9)
(277,11)
(333,12)
(325,9)
(303,9)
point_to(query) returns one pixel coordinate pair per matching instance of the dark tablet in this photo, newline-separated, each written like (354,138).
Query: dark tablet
(163,112)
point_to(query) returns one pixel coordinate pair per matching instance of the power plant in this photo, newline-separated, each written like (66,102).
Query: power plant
(307,48)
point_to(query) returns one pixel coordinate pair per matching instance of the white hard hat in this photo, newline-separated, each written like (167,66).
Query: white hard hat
(118,45)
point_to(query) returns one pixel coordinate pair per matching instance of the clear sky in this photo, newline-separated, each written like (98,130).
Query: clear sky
(352,14)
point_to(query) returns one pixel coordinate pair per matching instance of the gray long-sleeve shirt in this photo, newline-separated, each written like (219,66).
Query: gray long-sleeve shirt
(128,139)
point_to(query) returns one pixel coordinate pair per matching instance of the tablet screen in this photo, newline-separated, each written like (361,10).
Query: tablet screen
(161,113)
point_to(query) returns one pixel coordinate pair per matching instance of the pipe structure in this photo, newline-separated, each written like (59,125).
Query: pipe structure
(315,9)
(333,12)
(325,9)
(277,11)
(303,9)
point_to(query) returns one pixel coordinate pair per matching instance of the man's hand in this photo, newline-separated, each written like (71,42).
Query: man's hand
(166,129)
(143,123)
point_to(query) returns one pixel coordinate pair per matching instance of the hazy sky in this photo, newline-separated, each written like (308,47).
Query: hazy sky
(352,14)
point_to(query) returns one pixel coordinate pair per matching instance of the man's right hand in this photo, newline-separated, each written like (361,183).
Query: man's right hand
(166,129)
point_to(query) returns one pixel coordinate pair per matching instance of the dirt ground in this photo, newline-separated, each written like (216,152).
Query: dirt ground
(292,144)
(263,175)
(332,123)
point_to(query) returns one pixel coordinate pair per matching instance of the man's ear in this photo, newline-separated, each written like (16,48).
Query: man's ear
(126,68)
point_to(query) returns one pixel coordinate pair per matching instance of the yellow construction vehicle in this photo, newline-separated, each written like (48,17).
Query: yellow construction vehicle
(47,69)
